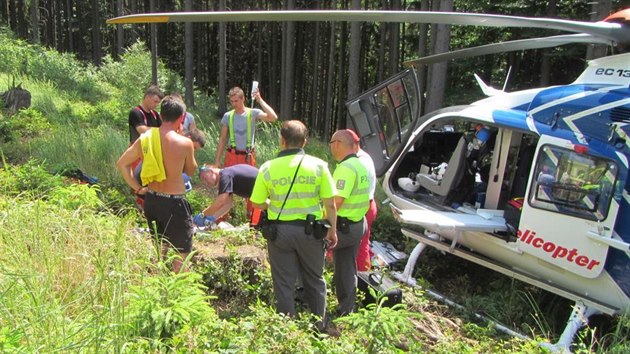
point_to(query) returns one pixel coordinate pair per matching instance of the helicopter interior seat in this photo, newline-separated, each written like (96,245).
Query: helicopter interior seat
(454,171)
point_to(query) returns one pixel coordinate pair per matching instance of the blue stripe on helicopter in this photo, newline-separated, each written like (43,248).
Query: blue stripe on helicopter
(512,118)
(578,110)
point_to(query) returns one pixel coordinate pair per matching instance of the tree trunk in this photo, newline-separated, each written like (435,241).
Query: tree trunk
(133,8)
(394,48)
(154,63)
(50,23)
(380,76)
(545,64)
(330,80)
(188,58)
(286,99)
(314,97)
(21,20)
(59,27)
(222,63)
(353,59)
(341,73)
(69,26)
(600,9)
(120,32)
(12,15)
(438,72)
(96,34)
(4,12)
(35,21)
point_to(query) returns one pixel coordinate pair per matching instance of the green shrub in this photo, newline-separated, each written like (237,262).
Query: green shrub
(236,281)
(165,304)
(30,179)
(26,123)
(380,329)
(266,331)
(75,196)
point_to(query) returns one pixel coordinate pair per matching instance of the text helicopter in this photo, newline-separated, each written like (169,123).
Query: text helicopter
(532,184)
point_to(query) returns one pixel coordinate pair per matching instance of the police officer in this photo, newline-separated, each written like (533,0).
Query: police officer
(296,184)
(352,201)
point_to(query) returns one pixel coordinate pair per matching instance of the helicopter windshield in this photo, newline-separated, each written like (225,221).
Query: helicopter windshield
(573,183)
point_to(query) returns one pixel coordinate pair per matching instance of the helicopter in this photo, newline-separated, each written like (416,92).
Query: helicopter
(532,184)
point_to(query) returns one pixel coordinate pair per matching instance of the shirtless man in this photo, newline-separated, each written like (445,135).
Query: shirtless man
(166,208)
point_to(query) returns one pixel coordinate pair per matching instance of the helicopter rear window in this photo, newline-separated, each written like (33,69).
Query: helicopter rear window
(573,183)
(396,105)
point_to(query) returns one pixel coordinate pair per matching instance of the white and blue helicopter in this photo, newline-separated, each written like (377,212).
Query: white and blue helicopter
(533,184)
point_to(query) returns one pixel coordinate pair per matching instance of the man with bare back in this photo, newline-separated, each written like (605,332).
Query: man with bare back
(166,154)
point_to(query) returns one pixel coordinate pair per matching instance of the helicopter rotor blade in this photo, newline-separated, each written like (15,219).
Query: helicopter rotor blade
(612,31)
(509,46)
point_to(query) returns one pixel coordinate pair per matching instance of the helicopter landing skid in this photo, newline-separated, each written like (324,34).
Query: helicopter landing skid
(578,319)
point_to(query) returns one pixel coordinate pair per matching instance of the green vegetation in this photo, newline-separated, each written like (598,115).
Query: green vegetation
(77,273)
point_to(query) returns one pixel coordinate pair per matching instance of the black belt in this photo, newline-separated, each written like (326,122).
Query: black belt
(289,222)
(239,152)
(341,219)
(164,195)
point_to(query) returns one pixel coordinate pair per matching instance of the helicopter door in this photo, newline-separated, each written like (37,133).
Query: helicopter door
(383,116)
(568,213)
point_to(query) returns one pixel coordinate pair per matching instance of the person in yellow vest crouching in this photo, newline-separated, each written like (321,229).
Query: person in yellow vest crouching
(296,185)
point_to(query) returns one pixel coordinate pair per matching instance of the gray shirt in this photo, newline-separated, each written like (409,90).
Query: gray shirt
(188,120)
(240,127)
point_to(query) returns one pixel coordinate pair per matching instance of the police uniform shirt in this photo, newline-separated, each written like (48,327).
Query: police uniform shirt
(313,182)
(352,183)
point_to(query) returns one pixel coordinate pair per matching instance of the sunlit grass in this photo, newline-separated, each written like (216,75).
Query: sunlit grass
(64,272)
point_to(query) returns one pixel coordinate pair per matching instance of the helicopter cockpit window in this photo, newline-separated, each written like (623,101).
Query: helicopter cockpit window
(395,105)
(573,183)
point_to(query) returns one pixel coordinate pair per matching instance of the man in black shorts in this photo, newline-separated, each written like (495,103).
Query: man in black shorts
(237,179)
(165,154)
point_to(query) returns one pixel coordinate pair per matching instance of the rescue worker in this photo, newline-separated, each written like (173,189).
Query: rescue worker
(297,184)
(352,202)
(239,125)
(364,258)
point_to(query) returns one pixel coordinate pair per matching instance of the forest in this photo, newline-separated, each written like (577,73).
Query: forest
(78,271)
(308,70)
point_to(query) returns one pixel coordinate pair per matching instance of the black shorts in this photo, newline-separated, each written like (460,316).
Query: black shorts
(172,218)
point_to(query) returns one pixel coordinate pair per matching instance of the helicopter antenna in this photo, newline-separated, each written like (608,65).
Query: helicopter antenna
(506,78)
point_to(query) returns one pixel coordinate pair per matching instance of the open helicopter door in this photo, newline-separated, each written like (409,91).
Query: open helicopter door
(382,117)
(569,212)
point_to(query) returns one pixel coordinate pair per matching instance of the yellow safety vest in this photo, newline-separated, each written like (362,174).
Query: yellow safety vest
(249,129)
(352,183)
(313,182)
